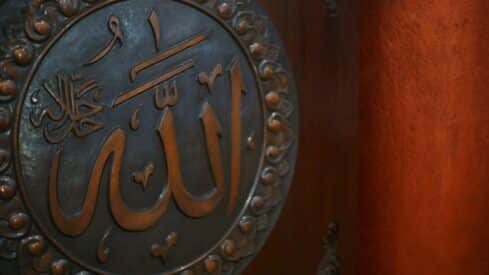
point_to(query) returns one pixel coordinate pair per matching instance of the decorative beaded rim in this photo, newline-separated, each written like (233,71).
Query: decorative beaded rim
(21,239)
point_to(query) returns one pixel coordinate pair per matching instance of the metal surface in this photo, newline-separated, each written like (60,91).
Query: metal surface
(141,136)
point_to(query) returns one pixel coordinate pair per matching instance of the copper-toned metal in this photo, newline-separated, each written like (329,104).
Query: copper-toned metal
(155,25)
(211,264)
(22,56)
(103,252)
(190,204)
(210,79)
(17,221)
(237,88)
(141,137)
(114,26)
(167,97)
(7,189)
(74,111)
(36,247)
(134,123)
(142,177)
(162,251)
(153,83)
(7,87)
(167,54)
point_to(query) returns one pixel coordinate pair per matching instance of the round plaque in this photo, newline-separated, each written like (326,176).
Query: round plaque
(141,136)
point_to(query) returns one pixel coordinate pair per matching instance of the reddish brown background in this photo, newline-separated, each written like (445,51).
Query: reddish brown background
(394,137)
(424,163)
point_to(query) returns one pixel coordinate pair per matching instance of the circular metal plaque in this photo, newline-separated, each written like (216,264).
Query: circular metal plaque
(141,136)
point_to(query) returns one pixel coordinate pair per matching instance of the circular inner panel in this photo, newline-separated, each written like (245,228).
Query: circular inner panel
(134,137)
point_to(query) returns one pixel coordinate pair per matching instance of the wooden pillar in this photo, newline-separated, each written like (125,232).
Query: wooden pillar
(424,137)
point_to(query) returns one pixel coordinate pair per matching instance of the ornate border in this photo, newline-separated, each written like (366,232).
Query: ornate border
(21,239)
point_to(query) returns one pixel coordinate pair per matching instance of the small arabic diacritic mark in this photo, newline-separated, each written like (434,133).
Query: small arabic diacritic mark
(134,123)
(103,252)
(209,79)
(155,25)
(162,251)
(142,178)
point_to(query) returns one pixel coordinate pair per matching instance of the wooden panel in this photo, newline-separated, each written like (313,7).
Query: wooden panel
(323,54)
(424,129)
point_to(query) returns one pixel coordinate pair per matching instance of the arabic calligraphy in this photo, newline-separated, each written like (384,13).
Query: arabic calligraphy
(142,177)
(155,26)
(134,122)
(114,27)
(162,251)
(166,96)
(153,83)
(103,252)
(114,146)
(74,110)
(210,79)
(237,89)
(167,54)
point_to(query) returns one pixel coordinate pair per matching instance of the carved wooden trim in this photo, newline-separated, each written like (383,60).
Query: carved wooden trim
(330,264)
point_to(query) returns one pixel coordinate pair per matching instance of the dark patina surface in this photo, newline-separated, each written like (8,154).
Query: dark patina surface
(141,137)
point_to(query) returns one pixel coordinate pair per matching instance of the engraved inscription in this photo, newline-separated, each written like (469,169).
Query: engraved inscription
(162,251)
(114,147)
(141,137)
(209,79)
(154,125)
(153,83)
(73,112)
(166,96)
(134,122)
(103,252)
(114,27)
(142,177)
(74,225)
(237,89)
(155,25)
(167,54)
